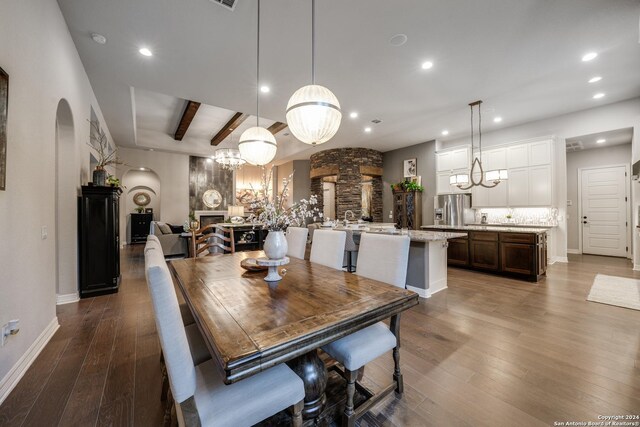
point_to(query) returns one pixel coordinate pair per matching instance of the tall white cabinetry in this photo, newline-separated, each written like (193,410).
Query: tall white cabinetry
(530,168)
(448,163)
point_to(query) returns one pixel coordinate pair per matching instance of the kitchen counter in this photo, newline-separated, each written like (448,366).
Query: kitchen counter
(414,235)
(505,228)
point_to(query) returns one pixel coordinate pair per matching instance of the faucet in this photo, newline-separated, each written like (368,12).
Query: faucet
(345,216)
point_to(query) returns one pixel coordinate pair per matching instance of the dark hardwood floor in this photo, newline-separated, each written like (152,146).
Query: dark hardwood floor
(489,351)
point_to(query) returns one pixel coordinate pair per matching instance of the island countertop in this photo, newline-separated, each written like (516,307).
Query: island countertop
(414,235)
(489,228)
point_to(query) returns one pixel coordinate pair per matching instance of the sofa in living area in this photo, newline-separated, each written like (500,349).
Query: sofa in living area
(170,240)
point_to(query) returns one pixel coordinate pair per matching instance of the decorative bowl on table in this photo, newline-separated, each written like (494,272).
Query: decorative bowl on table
(251,264)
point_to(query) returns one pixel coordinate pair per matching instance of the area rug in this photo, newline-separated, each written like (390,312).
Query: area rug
(613,290)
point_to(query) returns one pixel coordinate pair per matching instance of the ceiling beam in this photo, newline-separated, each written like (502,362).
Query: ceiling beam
(235,121)
(276,127)
(187,116)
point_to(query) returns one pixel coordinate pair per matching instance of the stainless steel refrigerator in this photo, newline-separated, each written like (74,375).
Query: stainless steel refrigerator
(453,209)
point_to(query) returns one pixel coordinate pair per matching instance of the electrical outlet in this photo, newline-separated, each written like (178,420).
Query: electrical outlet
(44,233)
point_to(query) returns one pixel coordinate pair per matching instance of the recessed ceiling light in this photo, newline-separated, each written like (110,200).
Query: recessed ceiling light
(601,141)
(353,115)
(598,95)
(589,56)
(445,132)
(265,89)
(367,129)
(497,119)
(145,51)
(99,38)
(595,79)
(398,40)
(427,65)
(141,169)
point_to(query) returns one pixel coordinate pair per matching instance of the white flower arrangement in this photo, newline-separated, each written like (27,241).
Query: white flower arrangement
(272,212)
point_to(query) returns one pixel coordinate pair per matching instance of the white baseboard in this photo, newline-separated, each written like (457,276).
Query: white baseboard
(636,267)
(67,298)
(18,370)
(574,251)
(423,293)
(559,259)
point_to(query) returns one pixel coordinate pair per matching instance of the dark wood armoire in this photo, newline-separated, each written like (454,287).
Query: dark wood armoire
(407,209)
(99,241)
(140,225)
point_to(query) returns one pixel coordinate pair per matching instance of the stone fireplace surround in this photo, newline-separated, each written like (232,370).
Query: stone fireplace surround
(350,166)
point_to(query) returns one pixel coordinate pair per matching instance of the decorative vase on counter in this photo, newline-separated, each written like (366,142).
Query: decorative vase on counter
(275,245)
(99,177)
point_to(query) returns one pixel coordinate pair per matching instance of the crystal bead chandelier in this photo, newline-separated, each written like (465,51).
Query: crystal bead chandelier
(467,181)
(229,158)
(257,145)
(313,112)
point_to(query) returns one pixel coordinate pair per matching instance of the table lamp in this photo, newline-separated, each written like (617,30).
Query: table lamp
(236,214)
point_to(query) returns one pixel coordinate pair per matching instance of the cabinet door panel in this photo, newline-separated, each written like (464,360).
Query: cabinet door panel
(442,183)
(518,258)
(540,153)
(479,195)
(458,252)
(540,188)
(498,196)
(443,162)
(494,159)
(484,254)
(460,159)
(518,188)
(518,156)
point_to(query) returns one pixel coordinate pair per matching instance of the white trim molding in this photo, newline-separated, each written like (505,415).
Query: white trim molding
(67,298)
(574,251)
(559,259)
(422,293)
(15,374)
(636,267)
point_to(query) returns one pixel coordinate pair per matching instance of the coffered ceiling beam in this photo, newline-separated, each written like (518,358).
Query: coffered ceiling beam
(235,121)
(187,116)
(277,127)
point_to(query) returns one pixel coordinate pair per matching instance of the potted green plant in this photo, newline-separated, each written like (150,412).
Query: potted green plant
(407,186)
(106,157)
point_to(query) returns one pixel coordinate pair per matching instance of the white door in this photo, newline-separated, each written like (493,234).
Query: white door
(604,211)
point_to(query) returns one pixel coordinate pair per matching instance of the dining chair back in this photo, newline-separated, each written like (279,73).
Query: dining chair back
(297,241)
(214,238)
(173,338)
(384,258)
(328,248)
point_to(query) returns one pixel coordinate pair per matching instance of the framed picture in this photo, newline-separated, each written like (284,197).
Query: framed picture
(417,179)
(410,168)
(148,210)
(4,106)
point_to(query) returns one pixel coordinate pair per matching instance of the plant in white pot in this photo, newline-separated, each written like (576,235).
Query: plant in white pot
(270,211)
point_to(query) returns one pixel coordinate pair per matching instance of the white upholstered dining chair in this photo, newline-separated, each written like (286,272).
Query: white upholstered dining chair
(296,241)
(202,398)
(384,258)
(328,248)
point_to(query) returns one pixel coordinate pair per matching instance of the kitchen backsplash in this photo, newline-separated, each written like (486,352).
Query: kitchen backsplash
(527,216)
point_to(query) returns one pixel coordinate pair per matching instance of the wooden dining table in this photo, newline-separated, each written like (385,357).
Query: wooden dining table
(250,325)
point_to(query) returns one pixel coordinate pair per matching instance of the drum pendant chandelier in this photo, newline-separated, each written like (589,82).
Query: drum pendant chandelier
(313,112)
(257,145)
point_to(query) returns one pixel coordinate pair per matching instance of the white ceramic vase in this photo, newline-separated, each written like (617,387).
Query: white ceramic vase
(275,245)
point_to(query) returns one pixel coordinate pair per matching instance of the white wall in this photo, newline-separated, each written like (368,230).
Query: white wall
(173,173)
(608,117)
(37,52)
(602,156)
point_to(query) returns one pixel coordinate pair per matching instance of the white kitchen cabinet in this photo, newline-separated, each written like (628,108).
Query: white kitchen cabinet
(540,153)
(518,156)
(479,195)
(443,161)
(442,183)
(446,161)
(494,159)
(540,187)
(518,188)
(460,159)
(498,196)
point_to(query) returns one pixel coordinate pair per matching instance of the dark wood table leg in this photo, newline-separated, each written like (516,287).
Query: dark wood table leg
(314,375)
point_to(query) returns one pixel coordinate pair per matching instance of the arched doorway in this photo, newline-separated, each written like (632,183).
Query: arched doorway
(66,207)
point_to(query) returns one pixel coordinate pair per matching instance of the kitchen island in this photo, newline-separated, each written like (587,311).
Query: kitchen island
(427,269)
(517,251)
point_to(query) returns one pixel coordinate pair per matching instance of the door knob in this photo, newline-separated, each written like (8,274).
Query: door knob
(584,217)
(584,222)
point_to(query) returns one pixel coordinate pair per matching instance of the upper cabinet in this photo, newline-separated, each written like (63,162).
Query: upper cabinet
(518,156)
(540,153)
(447,161)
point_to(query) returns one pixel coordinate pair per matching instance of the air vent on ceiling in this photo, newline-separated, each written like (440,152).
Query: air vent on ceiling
(228,4)
(575,145)
(376,121)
